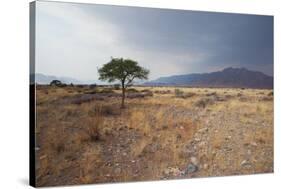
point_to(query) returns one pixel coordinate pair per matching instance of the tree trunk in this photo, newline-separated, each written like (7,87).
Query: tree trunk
(123,95)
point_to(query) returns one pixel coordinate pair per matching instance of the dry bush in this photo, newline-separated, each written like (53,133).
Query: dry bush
(266,98)
(116,86)
(239,94)
(211,94)
(92,91)
(178,93)
(203,102)
(105,110)
(181,94)
(135,95)
(94,124)
(162,92)
(145,91)
(270,93)
(132,90)
(106,90)
(79,99)
(189,94)
(57,141)
(148,93)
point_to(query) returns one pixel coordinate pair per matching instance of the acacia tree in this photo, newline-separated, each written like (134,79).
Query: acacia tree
(123,70)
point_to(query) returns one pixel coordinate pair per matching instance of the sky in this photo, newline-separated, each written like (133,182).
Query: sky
(74,40)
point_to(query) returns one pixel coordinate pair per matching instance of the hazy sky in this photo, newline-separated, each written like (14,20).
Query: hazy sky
(75,39)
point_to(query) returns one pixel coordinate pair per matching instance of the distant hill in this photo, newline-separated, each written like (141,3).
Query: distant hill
(46,79)
(229,77)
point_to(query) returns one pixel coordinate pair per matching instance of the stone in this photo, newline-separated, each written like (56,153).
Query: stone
(191,168)
(201,144)
(178,136)
(205,166)
(197,139)
(254,144)
(174,171)
(245,163)
(203,130)
(117,170)
(194,160)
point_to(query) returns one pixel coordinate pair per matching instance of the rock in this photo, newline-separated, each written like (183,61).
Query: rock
(173,171)
(191,168)
(201,144)
(151,148)
(203,130)
(227,149)
(205,166)
(117,170)
(228,137)
(197,139)
(194,160)
(254,144)
(42,157)
(246,163)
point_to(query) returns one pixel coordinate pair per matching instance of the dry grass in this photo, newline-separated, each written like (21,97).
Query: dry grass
(160,129)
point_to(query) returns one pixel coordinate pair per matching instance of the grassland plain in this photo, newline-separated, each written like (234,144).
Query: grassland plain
(83,136)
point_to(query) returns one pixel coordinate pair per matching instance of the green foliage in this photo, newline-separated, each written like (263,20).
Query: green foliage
(123,70)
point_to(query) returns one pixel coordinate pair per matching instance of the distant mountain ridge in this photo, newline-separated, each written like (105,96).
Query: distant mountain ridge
(46,79)
(228,77)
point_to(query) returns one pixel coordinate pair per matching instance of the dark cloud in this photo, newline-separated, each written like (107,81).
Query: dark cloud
(166,41)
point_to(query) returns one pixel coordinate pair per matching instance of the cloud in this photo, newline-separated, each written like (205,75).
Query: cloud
(75,39)
(74,42)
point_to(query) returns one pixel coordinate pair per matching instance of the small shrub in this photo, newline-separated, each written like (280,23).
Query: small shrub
(270,93)
(58,141)
(162,92)
(132,90)
(116,86)
(148,93)
(105,110)
(202,103)
(95,122)
(179,93)
(145,90)
(267,98)
(189,94)
(93,86)
(211,94)
(106,90)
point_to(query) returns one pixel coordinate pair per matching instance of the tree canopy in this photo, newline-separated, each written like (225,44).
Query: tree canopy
(123,70)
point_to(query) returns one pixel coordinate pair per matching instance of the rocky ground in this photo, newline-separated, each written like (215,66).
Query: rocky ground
(199,133)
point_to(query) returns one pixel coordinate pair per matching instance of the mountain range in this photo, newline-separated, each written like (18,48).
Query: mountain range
(228,77)
(46,79)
